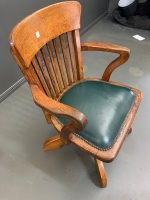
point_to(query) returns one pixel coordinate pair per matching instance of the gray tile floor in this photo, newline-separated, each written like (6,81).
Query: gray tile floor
(27,172)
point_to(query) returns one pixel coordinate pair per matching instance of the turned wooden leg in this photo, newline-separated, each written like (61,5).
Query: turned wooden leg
(53,143)
(101,173)
(130,130)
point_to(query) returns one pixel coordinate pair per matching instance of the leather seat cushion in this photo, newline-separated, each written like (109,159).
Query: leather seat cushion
(105,106)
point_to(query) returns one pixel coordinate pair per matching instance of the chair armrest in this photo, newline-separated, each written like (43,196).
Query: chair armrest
(123,52)
(77,120)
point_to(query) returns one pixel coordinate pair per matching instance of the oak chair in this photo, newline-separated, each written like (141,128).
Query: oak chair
(94,114)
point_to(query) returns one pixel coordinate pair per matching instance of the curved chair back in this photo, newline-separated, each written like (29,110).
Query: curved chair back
(39,45)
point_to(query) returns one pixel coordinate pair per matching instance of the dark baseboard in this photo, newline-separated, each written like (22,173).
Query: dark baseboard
(10,90)
(93,23)
(19,83)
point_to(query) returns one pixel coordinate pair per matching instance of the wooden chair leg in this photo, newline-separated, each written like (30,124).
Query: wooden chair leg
(53,143)
(101,173)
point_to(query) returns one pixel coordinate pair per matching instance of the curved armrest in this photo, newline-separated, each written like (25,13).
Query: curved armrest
(77,119)
(99,46)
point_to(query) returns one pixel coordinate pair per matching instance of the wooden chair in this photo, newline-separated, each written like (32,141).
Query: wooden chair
(94,114)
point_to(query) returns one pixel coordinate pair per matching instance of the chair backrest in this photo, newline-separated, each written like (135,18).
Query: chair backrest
(46,46)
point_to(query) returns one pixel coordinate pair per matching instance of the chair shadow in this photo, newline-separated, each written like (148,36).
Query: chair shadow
(89,164)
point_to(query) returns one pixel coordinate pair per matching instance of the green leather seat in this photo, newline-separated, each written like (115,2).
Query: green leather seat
(105,106)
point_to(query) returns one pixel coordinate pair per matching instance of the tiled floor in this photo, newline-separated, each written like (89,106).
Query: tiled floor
(27,172)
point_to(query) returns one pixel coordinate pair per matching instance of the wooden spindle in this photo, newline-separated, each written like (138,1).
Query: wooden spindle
(77,46)
(72,56)
(47,65)
(59,62)
(65,56)
(44,73)
(40,78)
(54,67)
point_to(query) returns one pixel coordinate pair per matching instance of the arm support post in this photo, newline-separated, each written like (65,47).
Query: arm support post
(77,120)
(99,46)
